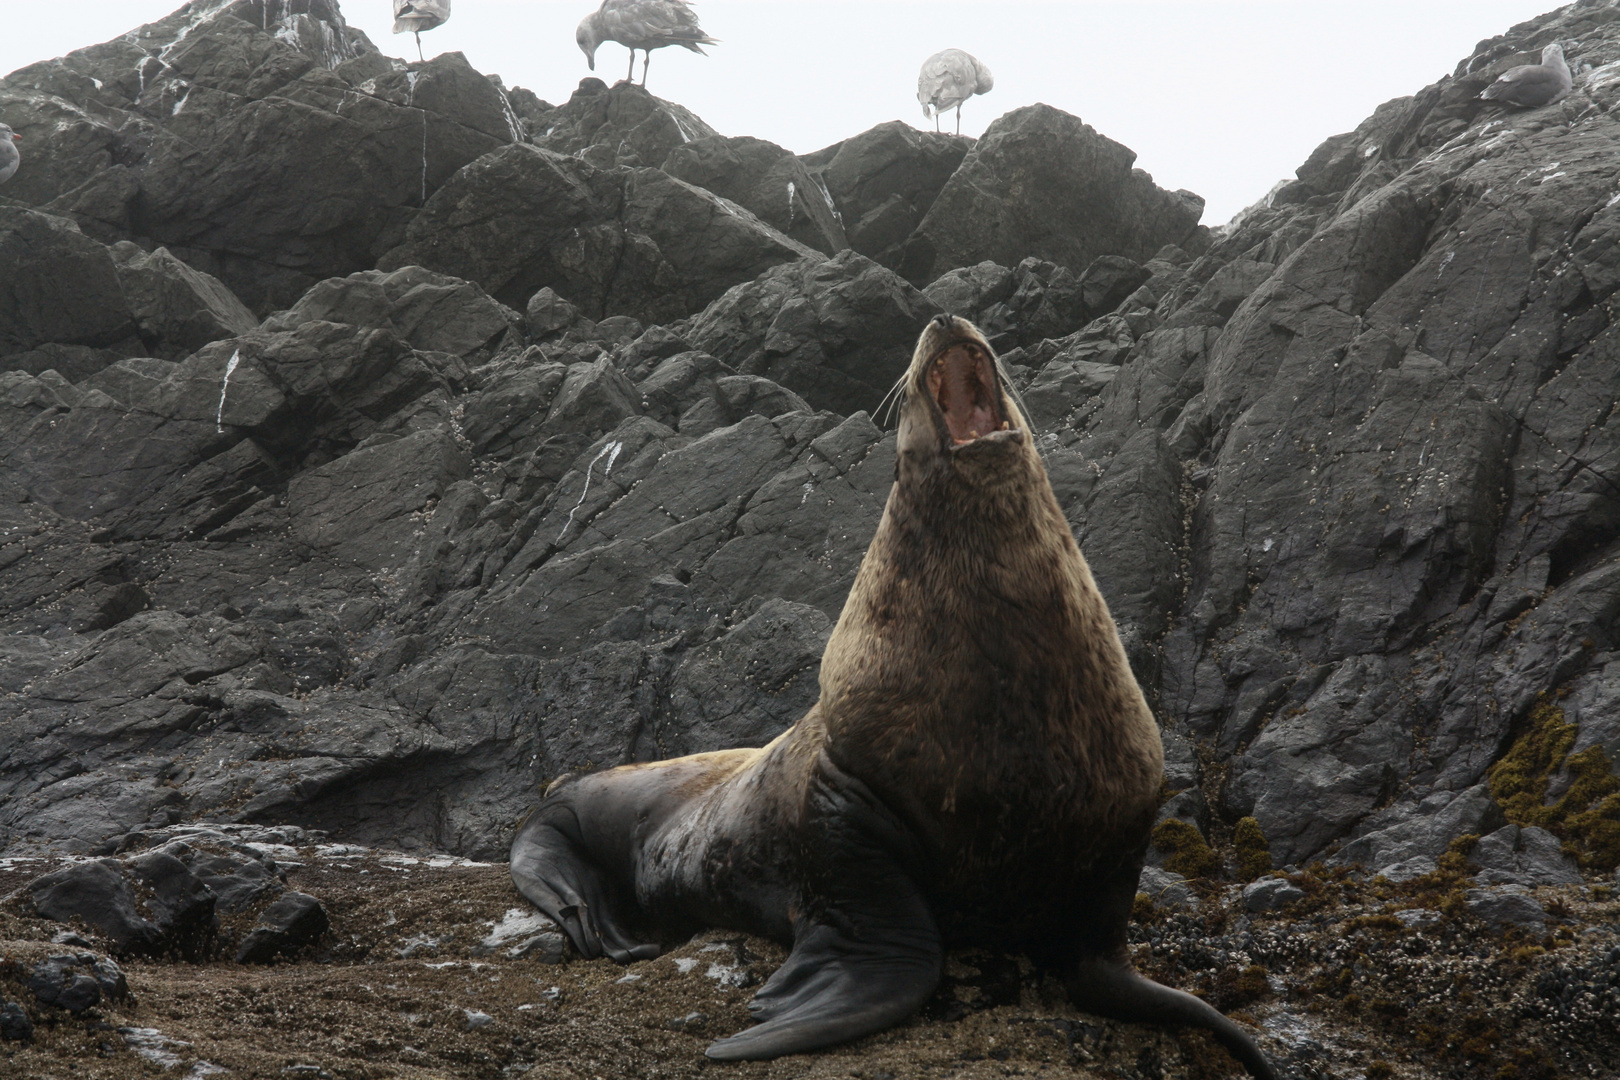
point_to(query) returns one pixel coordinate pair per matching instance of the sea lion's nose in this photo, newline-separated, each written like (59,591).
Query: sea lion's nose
(942,321)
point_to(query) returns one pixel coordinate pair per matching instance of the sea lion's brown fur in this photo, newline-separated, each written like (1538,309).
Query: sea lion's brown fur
(981,767)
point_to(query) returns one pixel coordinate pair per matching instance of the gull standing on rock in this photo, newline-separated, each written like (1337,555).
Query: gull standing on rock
(1531,86)
(641,24)
(9,157)
(415,16)
(949,78)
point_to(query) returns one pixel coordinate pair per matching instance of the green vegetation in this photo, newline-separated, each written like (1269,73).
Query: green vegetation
(1587,817)
(1185,851)
(1252,849)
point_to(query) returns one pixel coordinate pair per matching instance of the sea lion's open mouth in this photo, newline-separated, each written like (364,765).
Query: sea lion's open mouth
(962,380)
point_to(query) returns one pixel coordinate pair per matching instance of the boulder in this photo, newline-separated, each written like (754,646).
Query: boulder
(1270,894)
(619,125)
(61,287)
(1039,182)
(432,312)
(884,180)
(620,241)
(294,922)
(151,905)
(165,136)
(74,982)
(838,333)
(766,179)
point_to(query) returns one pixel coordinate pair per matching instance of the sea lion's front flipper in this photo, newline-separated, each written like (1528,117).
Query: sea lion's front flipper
(549,869)
(868,972)
(1116,990)
(866,951)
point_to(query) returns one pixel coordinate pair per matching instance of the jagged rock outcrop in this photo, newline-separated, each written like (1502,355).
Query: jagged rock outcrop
(771,182)
(500,492)
(620,241)
(1039,182)
(167,135)
(884,180)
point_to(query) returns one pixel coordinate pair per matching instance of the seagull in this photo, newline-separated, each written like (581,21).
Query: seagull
(9,157)
(1531,86)
(641,24)
(949,78)
(415,16)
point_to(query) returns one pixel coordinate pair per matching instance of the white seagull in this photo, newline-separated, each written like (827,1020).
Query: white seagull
(9,157)
(641,24)
(415,16)
(949,78)
(1531,86)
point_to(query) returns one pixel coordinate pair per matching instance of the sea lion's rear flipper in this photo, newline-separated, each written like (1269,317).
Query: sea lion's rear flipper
(869,972)
(547,867)
(866,952)
(1116,990)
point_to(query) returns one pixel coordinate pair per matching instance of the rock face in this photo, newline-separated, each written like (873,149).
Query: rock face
(884,180)
(167,136)
(498,493)
(1042,183)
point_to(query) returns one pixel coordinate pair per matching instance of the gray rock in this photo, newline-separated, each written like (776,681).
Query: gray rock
(769,181)
(625,123)
(75,983)
(1407,869)
(1424,829)
(1166,889)
(628,241)
(1270,894)
(15,1024)
(431,312)
(174,152)
(883,182)
(1418,918)
(1527,856)
(968,290)
(473,1019)
(838,333)
(1039,182)
(293,922)
(1506,905)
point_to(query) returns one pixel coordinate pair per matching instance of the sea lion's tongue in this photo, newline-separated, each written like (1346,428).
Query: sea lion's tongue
(964,387)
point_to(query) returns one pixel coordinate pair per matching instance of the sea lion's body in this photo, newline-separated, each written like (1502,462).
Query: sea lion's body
(981,767)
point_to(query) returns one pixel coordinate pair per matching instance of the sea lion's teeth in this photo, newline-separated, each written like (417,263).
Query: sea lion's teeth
(972,434)
(1005,425)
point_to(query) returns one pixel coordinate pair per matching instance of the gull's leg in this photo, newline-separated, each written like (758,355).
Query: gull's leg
(419,55)
(646,62)
(630,76)
(959,119)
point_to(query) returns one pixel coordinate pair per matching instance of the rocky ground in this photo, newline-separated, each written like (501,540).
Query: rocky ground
(498,439)
(434,966)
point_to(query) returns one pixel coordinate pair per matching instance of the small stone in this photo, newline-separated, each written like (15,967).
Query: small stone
(1418,918)
(62,982)
(476,1019)
(1507,905)
(1408,869)
(15,1026)
(688,1022)
(1270,894)
(1166,889)
(545,948)
(68,937)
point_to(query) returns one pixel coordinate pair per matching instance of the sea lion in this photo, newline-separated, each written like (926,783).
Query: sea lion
(981,767)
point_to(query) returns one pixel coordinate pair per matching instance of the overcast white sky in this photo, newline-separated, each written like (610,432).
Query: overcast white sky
(1223,97)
